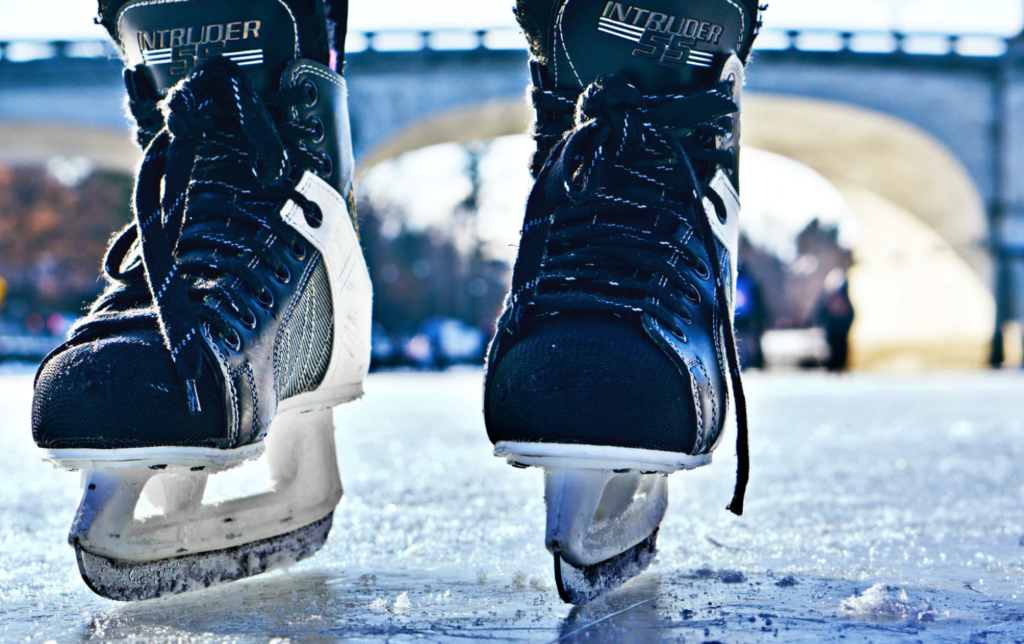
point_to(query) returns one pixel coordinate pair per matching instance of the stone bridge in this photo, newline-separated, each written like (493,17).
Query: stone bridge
(931,124)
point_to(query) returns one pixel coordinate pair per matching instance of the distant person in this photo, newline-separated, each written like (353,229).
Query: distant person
(835,315)
(238,302)
(751,319)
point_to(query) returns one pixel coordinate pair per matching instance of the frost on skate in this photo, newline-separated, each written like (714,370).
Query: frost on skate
(187,545)
(602,527)
(580,585)
(135,581)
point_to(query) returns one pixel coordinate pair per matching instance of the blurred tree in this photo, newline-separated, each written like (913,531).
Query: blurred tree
(421,274)
(439,272)
(53,236)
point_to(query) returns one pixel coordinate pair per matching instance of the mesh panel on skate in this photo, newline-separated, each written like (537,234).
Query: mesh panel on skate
(302,350)
(123,392)
(594,380)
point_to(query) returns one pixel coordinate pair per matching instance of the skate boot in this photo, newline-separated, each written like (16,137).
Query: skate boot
(237,311)
(614,358)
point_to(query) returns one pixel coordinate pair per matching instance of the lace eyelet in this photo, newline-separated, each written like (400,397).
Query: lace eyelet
(328,166)
(314,216)
(248,320)
(312,93)
(265,298)
(318,129)
(232,340)
(297,251)
(692,295)
(703,271)
(282,274)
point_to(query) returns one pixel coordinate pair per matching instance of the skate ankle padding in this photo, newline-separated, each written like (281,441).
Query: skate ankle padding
(661,46)
(169,38)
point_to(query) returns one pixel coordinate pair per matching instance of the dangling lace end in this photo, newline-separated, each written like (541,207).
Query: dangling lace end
(736,505)
(742,448)
(193,396)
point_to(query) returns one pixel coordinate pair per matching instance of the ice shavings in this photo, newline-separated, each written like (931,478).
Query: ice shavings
(402,602)
(887,604)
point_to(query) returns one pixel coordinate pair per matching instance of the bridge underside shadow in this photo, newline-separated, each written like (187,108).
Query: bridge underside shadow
(922,280)
(37,143)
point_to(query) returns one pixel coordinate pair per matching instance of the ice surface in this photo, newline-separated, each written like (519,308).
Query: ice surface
(914,483)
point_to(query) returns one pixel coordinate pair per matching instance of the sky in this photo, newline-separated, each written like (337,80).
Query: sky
(72,19)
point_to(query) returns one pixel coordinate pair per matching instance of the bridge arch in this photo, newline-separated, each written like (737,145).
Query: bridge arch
(856,147)
(922,280)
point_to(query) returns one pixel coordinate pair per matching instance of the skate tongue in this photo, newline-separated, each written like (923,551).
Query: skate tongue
(661,46)
(168,37)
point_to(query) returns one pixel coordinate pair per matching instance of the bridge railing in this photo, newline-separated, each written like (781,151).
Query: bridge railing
(805,40)
(883,42)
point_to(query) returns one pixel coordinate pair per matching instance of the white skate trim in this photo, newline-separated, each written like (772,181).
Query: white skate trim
(323,398)
(93,459)
(351,291)
(597,457)
(728,233)
(305,488)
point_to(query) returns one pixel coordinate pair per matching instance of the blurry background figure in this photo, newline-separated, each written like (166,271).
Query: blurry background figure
(751,320)
(835,316)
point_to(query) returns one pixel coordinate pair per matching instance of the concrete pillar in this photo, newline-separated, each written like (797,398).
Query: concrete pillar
(1007,209)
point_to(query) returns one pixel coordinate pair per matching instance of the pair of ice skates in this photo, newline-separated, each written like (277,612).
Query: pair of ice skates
(237,313)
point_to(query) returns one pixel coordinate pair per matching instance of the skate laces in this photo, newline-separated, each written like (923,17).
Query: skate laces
(204,200)
(613,207)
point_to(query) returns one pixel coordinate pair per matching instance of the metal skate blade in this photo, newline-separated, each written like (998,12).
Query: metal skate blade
(580,585)
(136,581)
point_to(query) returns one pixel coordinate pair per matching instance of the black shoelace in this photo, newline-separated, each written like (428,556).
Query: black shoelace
(629,168)
(208,186)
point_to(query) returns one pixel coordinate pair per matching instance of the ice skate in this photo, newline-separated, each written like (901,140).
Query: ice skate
(614,359)
(237,312)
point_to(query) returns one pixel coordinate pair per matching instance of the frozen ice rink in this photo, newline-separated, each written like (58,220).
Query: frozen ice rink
(881,509)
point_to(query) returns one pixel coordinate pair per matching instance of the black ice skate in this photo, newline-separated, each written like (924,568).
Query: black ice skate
(237,312)
(613,361)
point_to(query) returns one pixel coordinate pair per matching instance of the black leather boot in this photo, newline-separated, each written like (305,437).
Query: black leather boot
(614,358)
(237,311)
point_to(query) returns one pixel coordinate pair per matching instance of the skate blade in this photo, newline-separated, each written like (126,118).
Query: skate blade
(136,581)
(190,544)
(579,585)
